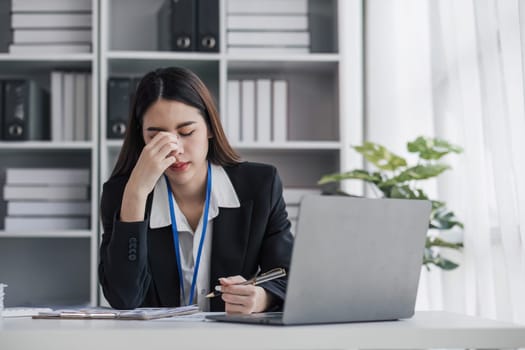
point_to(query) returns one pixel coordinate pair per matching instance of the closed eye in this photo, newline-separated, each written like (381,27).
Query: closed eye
(184,134)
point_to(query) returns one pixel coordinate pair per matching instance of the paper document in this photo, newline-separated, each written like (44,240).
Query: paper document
(108,313)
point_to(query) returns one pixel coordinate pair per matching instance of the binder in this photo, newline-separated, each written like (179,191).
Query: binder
(176,28)
(25,111)
(6,35)
(118,107)
(263,110)
(248,111)
(208,25)
(2,112)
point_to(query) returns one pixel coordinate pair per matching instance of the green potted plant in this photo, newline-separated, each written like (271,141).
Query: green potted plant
(394,178)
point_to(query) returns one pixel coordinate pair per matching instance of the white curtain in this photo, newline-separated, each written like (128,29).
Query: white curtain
(454,69)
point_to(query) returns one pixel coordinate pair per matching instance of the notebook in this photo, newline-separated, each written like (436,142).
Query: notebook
(353,260)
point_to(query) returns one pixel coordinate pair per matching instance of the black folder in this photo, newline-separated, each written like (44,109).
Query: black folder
(119,92)
(25,111)
(176,31)
(208,25)
(2,112)
(6,34)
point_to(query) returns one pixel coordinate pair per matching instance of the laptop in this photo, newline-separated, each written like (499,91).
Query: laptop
(353,260)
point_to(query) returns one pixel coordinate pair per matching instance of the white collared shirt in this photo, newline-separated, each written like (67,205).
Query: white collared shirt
(222,195)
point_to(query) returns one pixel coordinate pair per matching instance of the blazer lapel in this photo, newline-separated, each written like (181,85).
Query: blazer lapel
(231,231)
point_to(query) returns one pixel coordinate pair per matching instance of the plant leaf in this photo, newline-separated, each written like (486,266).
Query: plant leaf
(439,242)
(404,191)
(421,172)
(443,263)
(443,219)
(354,174)
(381,157)
(432,148)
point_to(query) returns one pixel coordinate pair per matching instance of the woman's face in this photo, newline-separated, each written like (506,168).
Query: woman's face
(189,131)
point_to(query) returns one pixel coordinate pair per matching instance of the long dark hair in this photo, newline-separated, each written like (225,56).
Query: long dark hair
(177,84)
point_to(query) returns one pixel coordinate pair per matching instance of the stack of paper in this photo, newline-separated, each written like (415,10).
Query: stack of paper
(108,313)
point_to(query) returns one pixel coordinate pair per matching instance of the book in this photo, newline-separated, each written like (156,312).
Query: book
(233,115)
(260,38)
(40,208)
(264,112)
(79,120)
(57,112)
(45,193)
(49,48)
(89,111)
(45,223)
(280,110)
(267,22)
(248,111)
(50,5)
(267,6)
(267,50)
(108,313)
(22,20)
(53,36)
(207,25)
(69,106)
(47,176)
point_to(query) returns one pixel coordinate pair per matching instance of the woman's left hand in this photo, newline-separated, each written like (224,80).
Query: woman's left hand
(243,299)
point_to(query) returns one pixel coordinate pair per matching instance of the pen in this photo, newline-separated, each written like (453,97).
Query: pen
(265,277)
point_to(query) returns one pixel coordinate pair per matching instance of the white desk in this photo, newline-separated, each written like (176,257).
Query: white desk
(424,330)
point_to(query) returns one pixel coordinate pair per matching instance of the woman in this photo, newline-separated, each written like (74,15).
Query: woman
(175,168)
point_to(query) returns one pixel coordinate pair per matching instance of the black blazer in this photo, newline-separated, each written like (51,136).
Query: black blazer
(138,267)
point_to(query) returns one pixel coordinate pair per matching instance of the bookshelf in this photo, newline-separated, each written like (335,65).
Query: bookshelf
(325,117)
(316,142)
(50,266)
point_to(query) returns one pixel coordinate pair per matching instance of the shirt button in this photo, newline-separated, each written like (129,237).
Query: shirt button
(132,257)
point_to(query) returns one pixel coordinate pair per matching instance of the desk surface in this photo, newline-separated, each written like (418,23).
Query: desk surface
(424,330)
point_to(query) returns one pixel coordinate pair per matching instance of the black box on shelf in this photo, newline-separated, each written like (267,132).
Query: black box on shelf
(25,111)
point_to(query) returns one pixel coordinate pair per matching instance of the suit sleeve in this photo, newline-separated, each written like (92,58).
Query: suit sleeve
(123,267)
(277,245)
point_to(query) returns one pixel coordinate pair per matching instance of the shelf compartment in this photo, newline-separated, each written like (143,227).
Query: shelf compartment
(313,113)
(207,70)
(297,168)
(49,271)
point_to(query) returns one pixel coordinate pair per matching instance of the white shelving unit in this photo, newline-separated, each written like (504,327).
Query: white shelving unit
(318,99)
(52,267)
(325,118)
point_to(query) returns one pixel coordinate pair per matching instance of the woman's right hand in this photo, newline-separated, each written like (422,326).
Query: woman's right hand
(156,156)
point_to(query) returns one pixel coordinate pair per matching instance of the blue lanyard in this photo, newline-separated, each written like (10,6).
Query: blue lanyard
(176,236)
